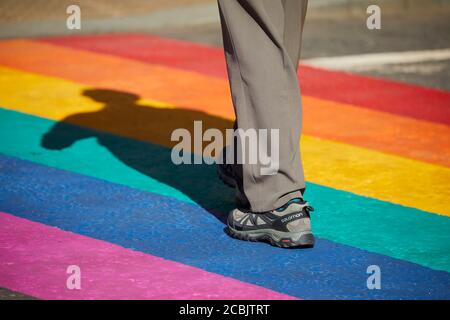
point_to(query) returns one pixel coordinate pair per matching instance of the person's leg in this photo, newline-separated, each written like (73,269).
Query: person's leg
(295,14)
(262,47)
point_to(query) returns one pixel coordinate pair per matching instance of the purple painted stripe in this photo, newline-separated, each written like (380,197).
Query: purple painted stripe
(34,258)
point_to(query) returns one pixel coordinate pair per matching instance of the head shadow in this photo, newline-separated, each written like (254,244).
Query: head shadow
(139,136)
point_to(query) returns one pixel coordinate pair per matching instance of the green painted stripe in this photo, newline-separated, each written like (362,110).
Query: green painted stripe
(377,226)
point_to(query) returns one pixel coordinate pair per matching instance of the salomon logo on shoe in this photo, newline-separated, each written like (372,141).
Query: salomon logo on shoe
(294,216)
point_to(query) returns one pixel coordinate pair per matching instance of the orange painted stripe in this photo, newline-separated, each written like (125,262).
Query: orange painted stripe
(182,88)
(416,139)
(407,137)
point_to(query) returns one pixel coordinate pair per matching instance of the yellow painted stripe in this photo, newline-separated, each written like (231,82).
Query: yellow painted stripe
(365,172)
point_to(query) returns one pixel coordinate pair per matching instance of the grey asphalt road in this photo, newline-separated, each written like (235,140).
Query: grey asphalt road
(6,294)
(341,30)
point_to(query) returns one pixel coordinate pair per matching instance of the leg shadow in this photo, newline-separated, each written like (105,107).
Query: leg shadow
(149,152)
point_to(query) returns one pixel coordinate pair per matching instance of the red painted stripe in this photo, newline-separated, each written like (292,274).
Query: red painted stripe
(378,94)
(35,258)
(150,49)
(383,95)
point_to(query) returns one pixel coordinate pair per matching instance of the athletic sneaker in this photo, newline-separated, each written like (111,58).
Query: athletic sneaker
(288,226)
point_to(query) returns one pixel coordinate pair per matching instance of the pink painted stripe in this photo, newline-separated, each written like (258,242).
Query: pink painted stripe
(34,258)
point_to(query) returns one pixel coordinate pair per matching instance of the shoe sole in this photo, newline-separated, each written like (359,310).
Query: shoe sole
(275,238)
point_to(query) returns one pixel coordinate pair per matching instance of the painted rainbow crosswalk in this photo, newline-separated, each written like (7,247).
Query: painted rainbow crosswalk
(85,123)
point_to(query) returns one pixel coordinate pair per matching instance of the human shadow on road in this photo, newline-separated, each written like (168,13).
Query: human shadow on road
(147,146)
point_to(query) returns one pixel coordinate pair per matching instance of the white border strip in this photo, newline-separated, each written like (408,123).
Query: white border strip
(364,61)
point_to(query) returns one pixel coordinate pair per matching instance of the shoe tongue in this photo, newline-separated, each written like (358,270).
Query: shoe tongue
(295,200)
(292,205)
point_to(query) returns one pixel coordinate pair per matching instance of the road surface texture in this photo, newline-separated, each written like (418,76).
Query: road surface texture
(85,169)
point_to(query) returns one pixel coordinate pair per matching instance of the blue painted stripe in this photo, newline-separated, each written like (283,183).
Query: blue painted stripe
(186,233)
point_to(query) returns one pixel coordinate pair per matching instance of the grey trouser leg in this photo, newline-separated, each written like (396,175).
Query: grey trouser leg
(262,41)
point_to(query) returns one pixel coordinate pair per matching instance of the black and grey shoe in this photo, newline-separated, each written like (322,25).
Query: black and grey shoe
(288,226)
